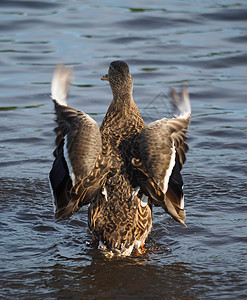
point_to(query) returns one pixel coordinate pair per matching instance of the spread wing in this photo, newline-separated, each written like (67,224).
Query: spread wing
(162,149)
(78,147)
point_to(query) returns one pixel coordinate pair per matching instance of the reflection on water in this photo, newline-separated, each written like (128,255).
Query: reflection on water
(202,45)
(126,279)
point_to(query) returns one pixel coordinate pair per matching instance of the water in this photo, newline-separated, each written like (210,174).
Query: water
(198,43)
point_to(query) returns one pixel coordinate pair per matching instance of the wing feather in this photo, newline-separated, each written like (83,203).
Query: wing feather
(83,138)
(162,153)
(79,145)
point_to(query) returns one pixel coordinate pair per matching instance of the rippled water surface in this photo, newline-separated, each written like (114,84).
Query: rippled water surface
(166,43)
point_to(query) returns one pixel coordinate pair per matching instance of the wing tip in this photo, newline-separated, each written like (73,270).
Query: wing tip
(181,102)
(60,83)
(182,222)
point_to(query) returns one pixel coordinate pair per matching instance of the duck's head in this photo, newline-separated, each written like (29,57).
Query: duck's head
(120,79)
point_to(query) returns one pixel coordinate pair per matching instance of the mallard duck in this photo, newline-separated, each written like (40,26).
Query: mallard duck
(120,169)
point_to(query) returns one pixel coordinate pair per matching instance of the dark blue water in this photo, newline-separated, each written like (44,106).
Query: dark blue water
(167,43)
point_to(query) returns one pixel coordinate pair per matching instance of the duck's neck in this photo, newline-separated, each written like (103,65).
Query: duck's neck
(122,106)
(122,99)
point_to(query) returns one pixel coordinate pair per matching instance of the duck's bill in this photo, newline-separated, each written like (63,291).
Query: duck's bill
(105,78)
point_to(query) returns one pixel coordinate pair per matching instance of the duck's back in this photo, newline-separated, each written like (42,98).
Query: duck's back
(113,215)
(120,130)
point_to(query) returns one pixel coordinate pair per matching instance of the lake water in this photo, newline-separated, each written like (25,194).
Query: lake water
(166,43)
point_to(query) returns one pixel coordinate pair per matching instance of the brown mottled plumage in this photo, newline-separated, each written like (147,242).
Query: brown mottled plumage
(120,169)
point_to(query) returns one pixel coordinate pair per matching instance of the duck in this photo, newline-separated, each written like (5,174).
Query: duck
(120,169)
